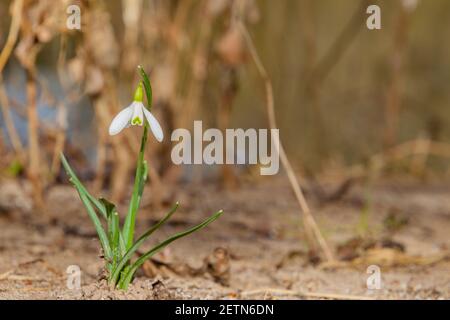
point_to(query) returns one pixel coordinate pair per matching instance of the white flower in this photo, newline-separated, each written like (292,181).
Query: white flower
(134,115)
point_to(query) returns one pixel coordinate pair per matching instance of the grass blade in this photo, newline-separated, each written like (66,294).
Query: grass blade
(147,87)
(98,225)
(139,262)
(113,231)
(80,187)
(139,242)
(88,200)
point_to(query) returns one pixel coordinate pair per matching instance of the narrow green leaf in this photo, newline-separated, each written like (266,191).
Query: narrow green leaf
(125,259)
(109,206)
(113,231)
(115,239)
(139,262)
(147,87)
(80,187)
(87,199)
(98,226)
(138,188)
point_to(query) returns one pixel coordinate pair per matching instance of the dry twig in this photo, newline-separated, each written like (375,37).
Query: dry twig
(13,33)
(316,295)
(311,227)
(4,56)
(9,123)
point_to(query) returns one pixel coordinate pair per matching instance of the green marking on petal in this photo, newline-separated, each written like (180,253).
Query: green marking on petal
(136,120)
(139,94)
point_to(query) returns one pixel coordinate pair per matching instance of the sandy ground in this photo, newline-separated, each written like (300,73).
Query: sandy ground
(256,250)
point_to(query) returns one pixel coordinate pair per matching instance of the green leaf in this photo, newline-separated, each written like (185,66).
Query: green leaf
(139,242)
(88,200)
(98,226)
(147,87)
(113,231)
(80,187)
(109,207)
(139,262)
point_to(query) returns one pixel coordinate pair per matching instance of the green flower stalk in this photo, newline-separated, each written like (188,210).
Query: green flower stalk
(117,243)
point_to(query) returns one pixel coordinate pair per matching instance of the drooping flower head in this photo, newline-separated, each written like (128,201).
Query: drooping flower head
(135,114)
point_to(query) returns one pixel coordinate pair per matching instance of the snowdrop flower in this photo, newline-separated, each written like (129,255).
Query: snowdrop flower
(134,115)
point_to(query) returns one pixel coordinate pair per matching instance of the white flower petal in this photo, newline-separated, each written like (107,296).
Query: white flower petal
(121,120)
(138,117)
(154,125)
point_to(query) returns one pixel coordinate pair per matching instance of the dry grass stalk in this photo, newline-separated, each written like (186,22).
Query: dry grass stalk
(62,109)
(16,12)
(10,127)
(393,103)
(311,228)
(315,295)
(387,258)
(10,276)
(341,44)
(34,169)
(229,91)
(418,147)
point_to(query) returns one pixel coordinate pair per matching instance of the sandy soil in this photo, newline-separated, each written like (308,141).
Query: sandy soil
(255,251)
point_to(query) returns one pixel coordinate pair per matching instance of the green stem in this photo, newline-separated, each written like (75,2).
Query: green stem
(118,269)
(139,180)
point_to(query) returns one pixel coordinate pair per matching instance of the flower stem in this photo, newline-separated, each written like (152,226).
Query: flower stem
(139,180)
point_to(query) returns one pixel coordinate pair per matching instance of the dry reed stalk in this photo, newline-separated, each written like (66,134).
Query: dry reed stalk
(102,59)
(101,115)
(421,148)
(10,127)
(34,170)
(311,228)
(231,52)
(414,147)
(330,59)
(131,17)
(313,85)
(6,274)
(229,91)
(199,65)
(199,74)
(16,12)
(61,117)
(175,53)
(309,33)
(174,33)
(419,160)
(393,103)
(32,40)
(340,45)
(316,295)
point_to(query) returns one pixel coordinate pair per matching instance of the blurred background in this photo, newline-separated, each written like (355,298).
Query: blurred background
(363,116)
(343,93)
